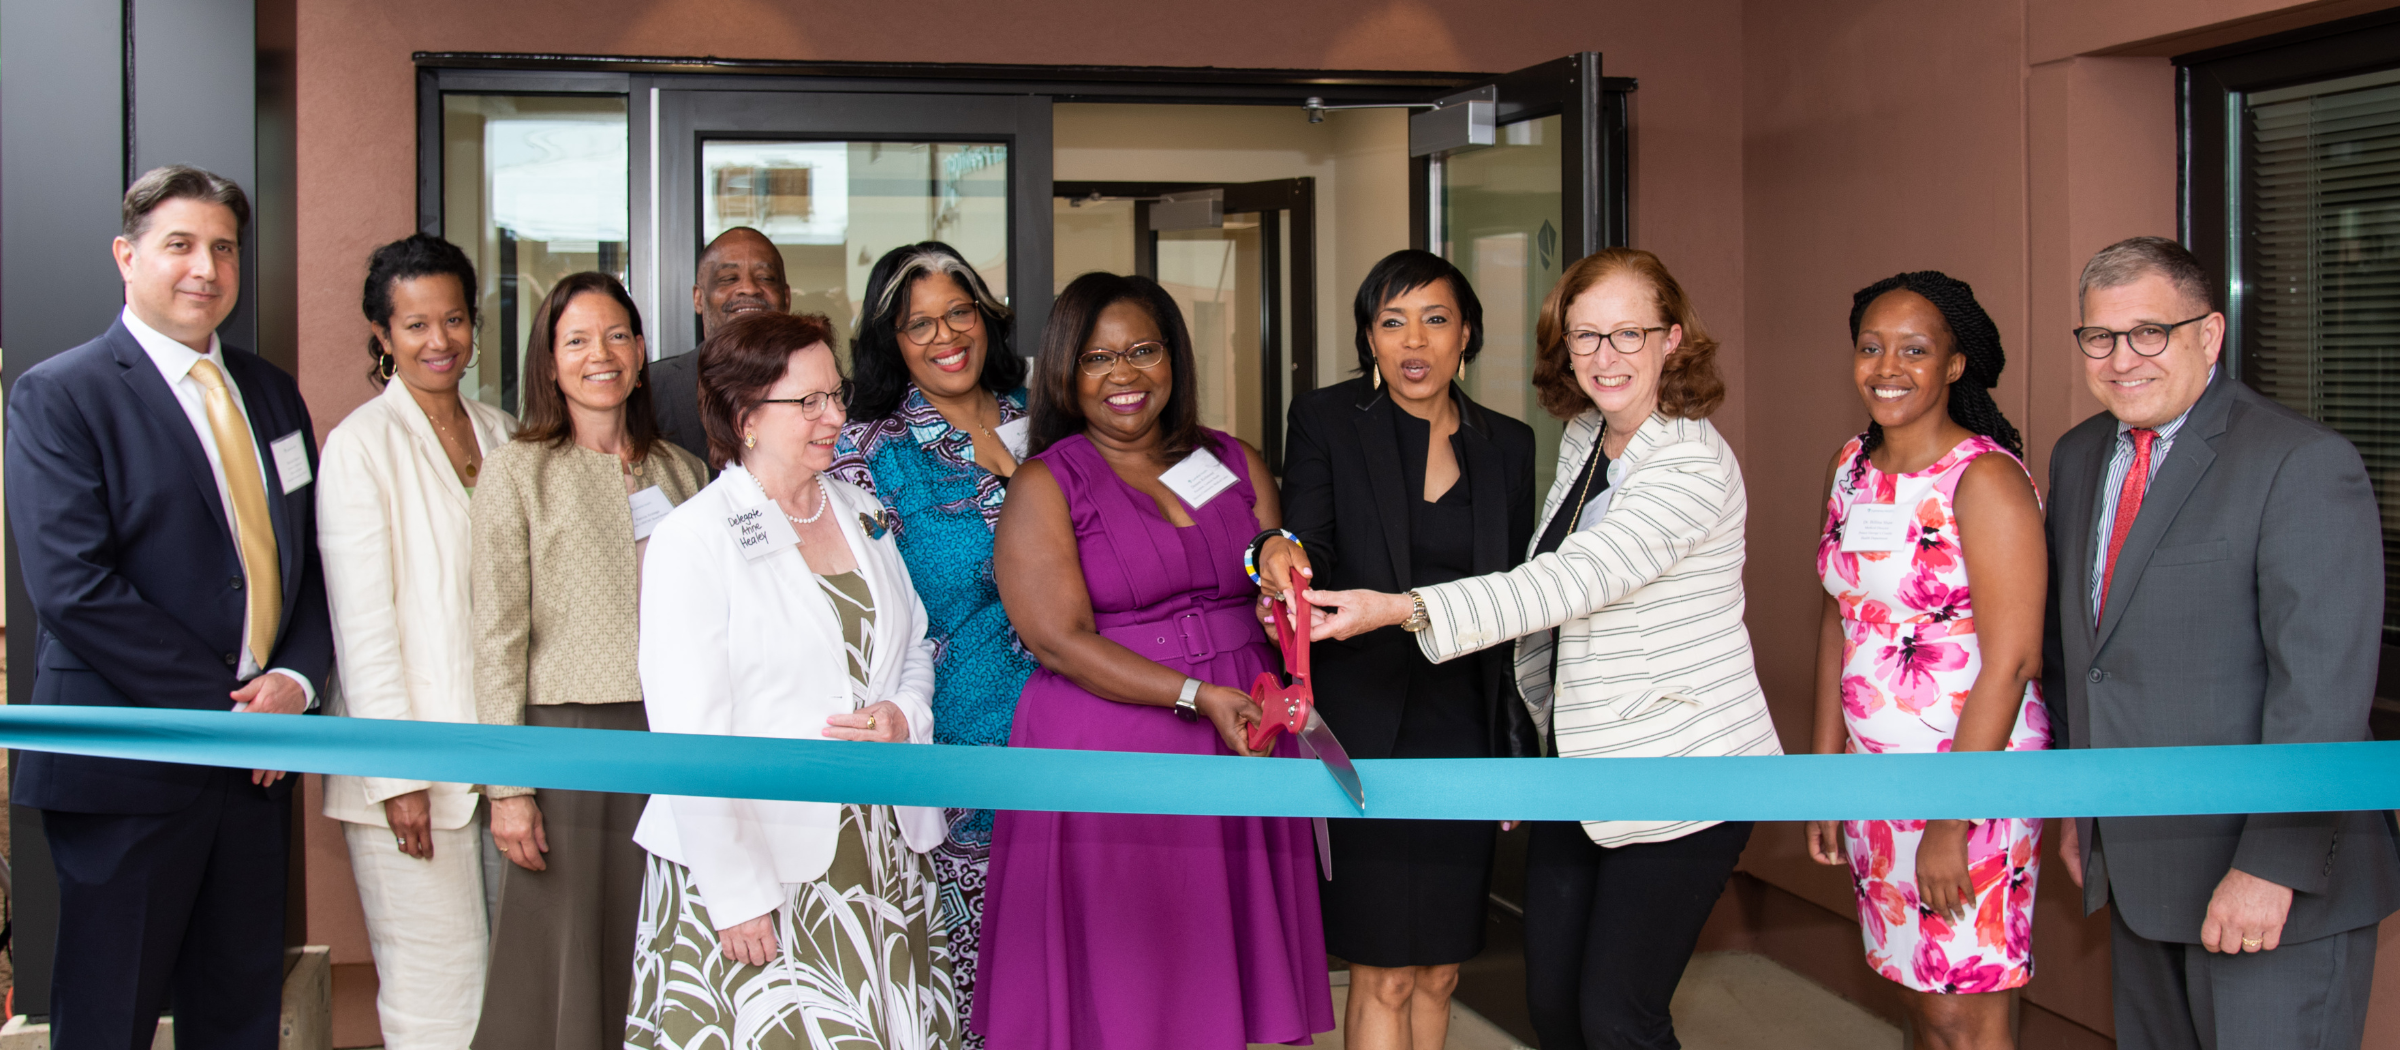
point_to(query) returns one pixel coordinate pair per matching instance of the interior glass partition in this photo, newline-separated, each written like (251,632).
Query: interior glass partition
(535,188)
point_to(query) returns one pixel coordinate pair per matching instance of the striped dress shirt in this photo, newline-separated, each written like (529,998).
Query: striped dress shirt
(1652,657)
(2112,487)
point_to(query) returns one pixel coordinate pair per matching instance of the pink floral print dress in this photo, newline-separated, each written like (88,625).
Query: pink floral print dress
(1909,658)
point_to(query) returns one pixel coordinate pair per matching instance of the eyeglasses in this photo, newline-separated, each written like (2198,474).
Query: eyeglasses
(1584,342)
(2149,340)
(1144,356)
(813,405)
(960,319)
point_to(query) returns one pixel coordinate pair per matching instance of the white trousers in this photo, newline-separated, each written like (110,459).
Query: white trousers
(425,924)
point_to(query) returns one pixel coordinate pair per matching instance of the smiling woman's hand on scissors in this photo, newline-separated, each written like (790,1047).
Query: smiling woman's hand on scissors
(1232,713)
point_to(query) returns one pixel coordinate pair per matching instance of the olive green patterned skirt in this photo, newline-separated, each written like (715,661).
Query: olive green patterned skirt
(864,960)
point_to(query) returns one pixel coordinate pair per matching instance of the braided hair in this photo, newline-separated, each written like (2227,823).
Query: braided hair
(1971,405)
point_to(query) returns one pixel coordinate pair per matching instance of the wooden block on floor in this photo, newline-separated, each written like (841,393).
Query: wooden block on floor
(307,999)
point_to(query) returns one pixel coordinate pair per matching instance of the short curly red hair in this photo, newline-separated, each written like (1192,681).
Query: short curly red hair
(1690,388)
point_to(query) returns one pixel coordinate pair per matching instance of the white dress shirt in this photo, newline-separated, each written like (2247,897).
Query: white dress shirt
(175,361)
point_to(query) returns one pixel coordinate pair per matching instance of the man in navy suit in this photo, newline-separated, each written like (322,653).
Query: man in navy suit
(159,486)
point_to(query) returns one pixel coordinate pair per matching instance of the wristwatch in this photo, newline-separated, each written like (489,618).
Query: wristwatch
(1186,703)
(1417,620)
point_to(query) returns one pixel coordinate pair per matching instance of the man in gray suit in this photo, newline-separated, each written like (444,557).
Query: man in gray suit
(740,272)
(2216,578)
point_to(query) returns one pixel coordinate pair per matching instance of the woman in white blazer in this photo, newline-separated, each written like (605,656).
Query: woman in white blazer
(775,603)
(1637,575)
(392,491)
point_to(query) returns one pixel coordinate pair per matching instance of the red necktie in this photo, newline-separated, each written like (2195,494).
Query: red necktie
(2129,505)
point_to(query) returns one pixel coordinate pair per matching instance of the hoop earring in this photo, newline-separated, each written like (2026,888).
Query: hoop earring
(386,367)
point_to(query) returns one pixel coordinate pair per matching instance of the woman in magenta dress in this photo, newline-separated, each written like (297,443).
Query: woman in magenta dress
(1119,561)
(1912,659)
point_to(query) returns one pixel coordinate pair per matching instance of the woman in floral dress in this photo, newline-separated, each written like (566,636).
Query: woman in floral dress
(1911,659)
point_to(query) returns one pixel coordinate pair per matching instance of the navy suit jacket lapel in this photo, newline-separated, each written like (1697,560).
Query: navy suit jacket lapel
(1375,440)
(2176,478)
(166,413)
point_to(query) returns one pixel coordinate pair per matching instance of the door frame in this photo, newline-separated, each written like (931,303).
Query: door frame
(684,118)
(1595,119)
(1597,216)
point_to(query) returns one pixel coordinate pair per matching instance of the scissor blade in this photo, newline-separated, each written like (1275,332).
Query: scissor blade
(1324,847)
(1318,738)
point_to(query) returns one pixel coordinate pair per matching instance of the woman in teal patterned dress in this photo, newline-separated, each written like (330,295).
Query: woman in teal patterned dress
(936,422)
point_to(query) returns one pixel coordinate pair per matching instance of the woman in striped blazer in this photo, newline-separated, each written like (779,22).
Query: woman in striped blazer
(1627,621)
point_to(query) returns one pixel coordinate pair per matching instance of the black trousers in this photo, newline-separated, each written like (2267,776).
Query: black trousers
(1608,931)
(181,909)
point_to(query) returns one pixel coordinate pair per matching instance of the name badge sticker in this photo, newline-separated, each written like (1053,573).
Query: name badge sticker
(649,507)
(1876,527)
(761,530)
(1015,435)
(291,461)
(1198,478)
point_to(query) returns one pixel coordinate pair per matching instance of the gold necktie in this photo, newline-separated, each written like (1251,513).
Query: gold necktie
(262,576)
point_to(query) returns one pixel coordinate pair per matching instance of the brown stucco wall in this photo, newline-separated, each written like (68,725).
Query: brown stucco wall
(1786,154)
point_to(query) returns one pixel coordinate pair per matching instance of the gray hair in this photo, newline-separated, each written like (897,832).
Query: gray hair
(927,261)
(181,182)
(2134,258)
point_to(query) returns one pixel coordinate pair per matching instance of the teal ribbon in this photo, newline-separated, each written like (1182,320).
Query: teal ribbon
(2265,778)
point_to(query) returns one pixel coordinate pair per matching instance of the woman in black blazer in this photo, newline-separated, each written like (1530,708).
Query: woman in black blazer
(1391,481)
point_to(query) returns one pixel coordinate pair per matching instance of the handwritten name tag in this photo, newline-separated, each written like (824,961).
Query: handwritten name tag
(649,507)
(1198,478)
(291,461)
(1875,527)
(1015,435)
(761,530)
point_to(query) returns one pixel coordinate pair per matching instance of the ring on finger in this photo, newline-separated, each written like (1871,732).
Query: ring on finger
(870,721)
(2252,943)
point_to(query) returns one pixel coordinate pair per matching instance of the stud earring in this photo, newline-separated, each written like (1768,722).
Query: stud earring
(749,441)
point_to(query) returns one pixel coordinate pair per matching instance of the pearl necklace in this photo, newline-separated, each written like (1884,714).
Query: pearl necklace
(818,513)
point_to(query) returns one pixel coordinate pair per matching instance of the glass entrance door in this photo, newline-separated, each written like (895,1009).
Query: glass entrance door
(1544,187)
(835,180)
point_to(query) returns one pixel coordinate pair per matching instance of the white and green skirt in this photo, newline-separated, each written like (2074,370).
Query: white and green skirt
(864,960)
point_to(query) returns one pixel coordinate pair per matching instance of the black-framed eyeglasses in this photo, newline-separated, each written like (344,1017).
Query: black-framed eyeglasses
(1584,342)
(2149,340)
(959,319)
(1144,356)
(813,405)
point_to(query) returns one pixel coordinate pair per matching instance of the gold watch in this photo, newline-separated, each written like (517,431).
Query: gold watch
(1417,620)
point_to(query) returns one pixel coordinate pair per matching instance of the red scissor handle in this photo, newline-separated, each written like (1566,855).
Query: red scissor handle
(1282,706)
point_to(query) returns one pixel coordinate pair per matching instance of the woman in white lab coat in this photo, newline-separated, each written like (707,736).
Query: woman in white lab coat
(775,603)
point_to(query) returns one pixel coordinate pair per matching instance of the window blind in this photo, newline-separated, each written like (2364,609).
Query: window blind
(2320,269)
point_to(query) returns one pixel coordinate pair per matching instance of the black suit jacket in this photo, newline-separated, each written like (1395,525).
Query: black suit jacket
(2247,608)
(132,565)
(675,402)
(1345,496)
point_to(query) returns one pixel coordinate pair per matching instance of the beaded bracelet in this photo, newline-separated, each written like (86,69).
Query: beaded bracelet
(1250,553)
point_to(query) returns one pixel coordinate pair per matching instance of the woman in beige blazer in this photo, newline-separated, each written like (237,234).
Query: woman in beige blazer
(560,524)
(1637,574)
(392,490)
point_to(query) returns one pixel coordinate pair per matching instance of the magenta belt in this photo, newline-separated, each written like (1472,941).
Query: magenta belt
(1193,635)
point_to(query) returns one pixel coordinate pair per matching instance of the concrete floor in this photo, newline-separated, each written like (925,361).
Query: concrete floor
(1728,1001)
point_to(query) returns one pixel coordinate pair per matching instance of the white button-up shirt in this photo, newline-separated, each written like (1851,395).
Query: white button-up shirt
(174,361)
